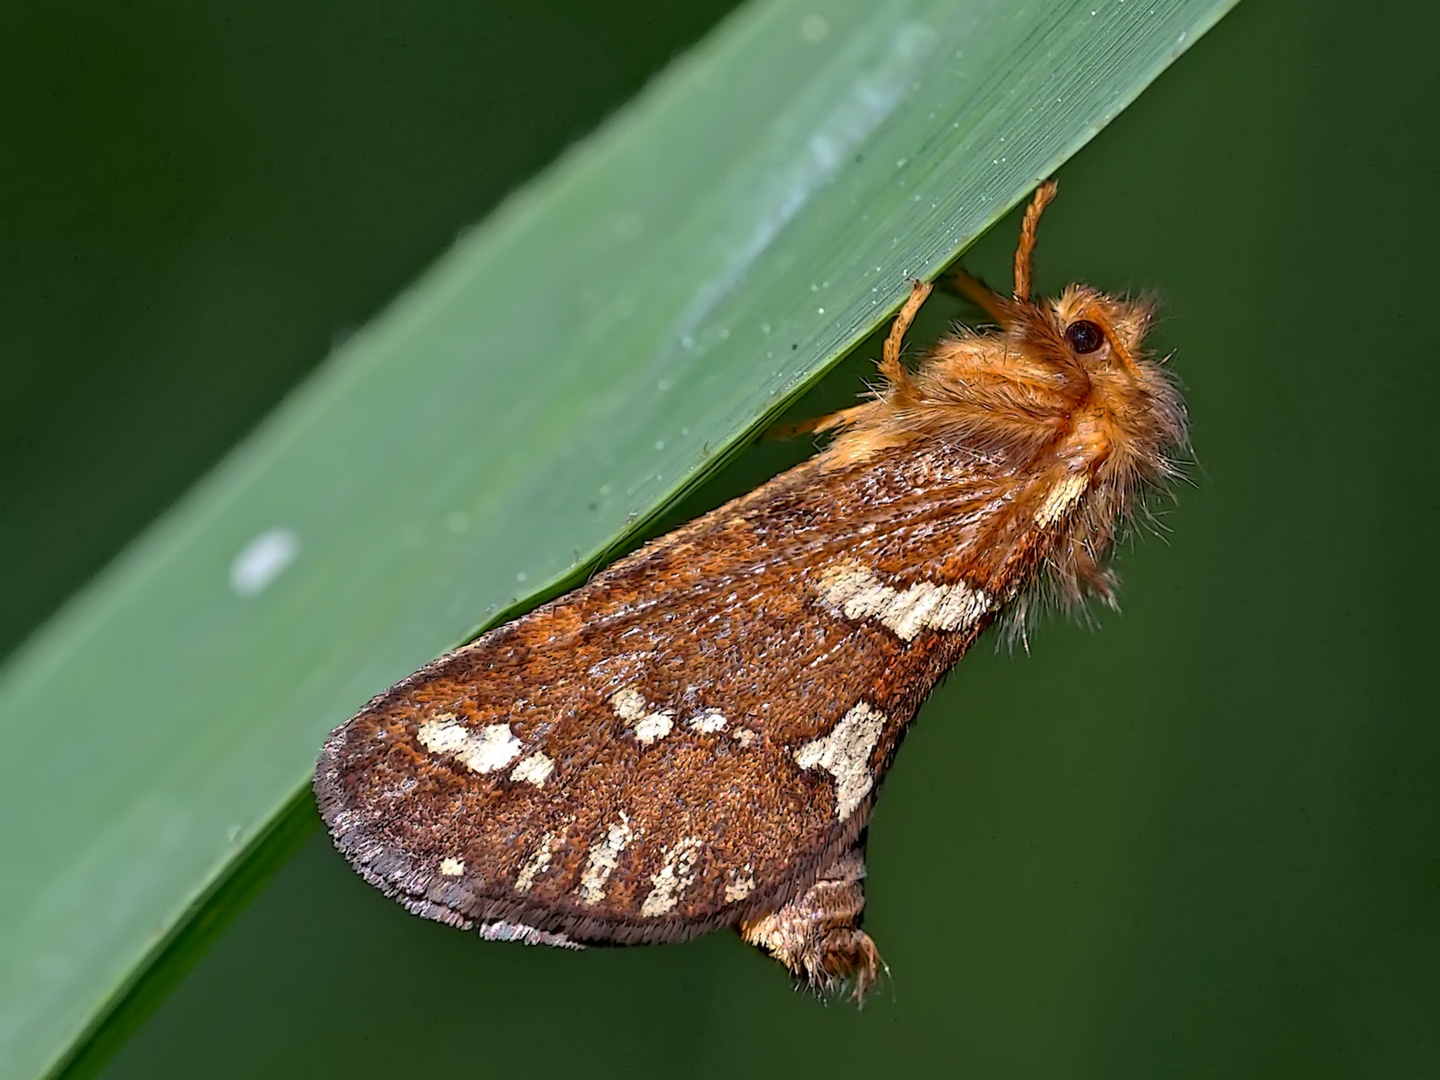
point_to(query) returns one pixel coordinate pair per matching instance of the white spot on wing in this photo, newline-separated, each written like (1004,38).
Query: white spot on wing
(960,609)
(676,874)
(740,888)
(452,867)
(629,704)
(910,610)
(845,754)
(535,769)
(536,864)
(262,560)
(708,722)
(650,723)
(442,734)
(603,857)
(859,594)
(1062,497)
(652,727)
(492,747)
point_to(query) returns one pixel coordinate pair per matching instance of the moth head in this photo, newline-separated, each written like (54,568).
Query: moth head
(1097,342)
(1071,368)
(1082,326)
(1132,399)
(1096,331)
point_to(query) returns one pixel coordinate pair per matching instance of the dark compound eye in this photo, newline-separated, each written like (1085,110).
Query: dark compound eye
(1084,336)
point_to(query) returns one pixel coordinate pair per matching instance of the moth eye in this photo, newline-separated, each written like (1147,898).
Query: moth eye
(1084,336)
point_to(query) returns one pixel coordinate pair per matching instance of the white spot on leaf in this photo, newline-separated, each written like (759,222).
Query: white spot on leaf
(262,560)
(845,754)
(814,28)
(676,874)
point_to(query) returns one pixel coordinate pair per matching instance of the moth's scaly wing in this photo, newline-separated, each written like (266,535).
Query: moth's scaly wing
(573,773)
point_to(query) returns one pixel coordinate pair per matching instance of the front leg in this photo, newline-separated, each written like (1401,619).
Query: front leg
(900,388)
(817,935)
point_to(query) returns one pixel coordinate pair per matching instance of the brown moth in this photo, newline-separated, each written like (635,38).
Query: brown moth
(696,736)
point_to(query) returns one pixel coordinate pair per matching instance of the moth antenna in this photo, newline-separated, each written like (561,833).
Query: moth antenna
(890,365)
(1025,253)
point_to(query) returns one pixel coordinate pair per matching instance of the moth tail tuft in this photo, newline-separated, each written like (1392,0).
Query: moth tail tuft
(848,966)
(817,934)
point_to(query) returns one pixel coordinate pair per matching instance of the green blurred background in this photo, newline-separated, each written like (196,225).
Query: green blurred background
(1232,868)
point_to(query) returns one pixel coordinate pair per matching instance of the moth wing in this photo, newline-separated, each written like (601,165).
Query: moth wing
(687,739)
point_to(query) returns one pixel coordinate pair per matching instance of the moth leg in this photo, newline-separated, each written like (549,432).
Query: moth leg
(981,295)
(890,367)
(819,423)
(817,935)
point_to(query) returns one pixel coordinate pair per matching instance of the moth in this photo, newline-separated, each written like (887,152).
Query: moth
(695,738)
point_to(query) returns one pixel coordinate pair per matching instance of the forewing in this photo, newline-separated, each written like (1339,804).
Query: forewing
(688,737)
